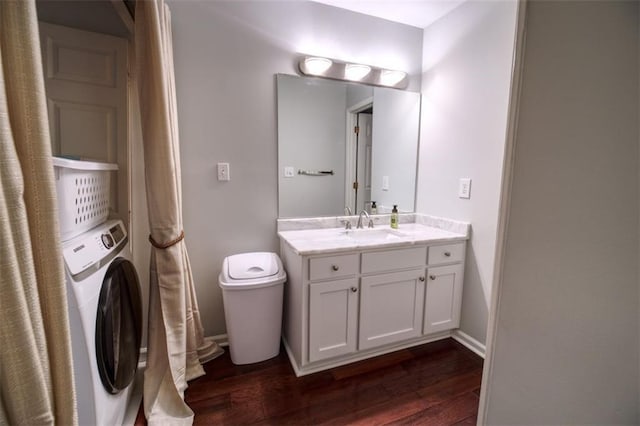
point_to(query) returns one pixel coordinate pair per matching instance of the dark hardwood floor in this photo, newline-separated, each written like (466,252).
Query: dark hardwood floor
(433,384)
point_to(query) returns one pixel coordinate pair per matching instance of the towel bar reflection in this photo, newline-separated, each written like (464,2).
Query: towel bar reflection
(315,172)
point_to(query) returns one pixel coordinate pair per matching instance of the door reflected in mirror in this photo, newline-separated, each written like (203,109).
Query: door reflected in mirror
(345,145)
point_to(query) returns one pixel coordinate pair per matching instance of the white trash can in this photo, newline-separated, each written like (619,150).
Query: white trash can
(252,289)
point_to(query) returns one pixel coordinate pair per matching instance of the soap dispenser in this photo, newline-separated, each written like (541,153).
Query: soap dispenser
(374,208)
(394,217)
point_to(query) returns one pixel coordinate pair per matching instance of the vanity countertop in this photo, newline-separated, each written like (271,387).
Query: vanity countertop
(333,240)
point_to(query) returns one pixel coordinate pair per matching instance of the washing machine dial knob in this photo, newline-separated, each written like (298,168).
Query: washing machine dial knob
(107,240)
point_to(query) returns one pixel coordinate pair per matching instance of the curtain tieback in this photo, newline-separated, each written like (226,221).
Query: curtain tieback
(167,244)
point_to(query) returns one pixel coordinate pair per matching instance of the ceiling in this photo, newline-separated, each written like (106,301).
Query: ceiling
(99,15)
(417,13)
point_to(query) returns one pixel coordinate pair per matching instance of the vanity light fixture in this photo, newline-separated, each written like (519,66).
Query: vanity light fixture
(390,78)
(317,66)
(356,72)
(337,70)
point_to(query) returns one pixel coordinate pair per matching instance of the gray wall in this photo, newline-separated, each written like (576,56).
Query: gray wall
(467,61)
(226,56)
(566,343)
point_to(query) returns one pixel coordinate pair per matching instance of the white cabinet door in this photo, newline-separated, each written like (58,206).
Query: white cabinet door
(443,299)
(333,316)
(391,308)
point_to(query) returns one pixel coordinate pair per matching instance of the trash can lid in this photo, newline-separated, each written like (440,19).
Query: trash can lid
(252,265)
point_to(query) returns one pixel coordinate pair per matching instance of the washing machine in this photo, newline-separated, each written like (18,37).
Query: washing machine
(105,316)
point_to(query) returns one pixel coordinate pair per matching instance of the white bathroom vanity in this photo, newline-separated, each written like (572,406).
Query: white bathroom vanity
(354,294)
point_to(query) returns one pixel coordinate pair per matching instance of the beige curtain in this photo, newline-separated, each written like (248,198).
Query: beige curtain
(176,345)
(36,372)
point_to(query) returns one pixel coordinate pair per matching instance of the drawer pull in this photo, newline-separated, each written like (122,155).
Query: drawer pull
(432,277)
(354,289)
(335,267)
(447,254)
(421,279)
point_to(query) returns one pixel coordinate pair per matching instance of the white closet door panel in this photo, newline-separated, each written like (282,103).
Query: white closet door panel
(76,61)
(85,130)
(86,86)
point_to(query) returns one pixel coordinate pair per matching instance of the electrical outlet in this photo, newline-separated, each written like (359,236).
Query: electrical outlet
(223,172)
(385,183)
(464,188)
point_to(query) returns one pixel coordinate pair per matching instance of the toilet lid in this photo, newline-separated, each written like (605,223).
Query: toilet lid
(252,265)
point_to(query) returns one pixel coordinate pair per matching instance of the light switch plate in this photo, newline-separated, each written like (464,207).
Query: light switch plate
(464,188)
(385,183)
(288,171)
(223,172)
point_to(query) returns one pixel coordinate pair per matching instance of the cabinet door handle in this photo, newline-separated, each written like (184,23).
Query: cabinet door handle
(421,278)
(432,277)
(335,267)
(447,254)
(354,289)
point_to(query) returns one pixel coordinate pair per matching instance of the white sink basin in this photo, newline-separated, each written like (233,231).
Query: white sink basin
(372,234)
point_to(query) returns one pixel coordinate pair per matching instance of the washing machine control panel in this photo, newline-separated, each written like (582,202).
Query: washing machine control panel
(90,248)
(117,233)
(107,240)
(113,237)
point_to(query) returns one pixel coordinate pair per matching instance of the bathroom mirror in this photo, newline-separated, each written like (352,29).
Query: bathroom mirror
(345,145)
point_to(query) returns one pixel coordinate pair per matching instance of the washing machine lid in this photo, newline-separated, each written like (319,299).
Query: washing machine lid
(252,265)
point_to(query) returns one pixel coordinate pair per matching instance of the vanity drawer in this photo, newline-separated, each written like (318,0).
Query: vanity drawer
(447,253)
(321,268)
(389,260)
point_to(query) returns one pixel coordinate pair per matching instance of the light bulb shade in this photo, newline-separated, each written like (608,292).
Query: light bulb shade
(391,78)
(356,72)
(317,66)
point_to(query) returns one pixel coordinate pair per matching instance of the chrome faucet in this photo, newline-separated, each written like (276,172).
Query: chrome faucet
(346,222)
(359,225)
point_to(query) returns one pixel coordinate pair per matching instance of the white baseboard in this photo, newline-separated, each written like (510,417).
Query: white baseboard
(470,343)
(223,340)
(220,339)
